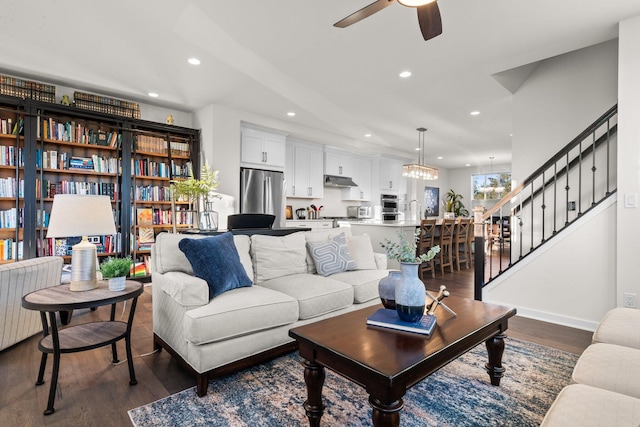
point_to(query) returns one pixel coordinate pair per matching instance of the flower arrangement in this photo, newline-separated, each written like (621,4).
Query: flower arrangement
(115,267)
(405,251)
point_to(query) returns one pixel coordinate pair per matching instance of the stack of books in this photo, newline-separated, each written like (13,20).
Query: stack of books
(386,318)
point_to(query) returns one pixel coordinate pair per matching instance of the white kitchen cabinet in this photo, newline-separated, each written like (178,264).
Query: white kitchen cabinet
(262,149)
(362,175)
(289,170)
(391,178)
(339,163)
(304,171)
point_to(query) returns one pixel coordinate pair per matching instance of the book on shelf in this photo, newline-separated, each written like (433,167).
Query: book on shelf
(138,269)
(145,237)
(145,216)
(387,318)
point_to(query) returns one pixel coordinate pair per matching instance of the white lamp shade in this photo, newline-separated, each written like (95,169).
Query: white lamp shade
(415,3)
(80,215)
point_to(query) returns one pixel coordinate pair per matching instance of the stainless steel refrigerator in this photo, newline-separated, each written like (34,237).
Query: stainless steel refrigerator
(263,192)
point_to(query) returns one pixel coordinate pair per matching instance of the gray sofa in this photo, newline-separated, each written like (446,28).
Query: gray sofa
(248,325)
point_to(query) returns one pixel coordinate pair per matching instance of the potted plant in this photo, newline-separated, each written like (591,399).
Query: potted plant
(192,189)
(116,270)
(410,293)
(453,204)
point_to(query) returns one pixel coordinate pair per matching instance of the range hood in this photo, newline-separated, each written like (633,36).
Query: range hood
(338,181)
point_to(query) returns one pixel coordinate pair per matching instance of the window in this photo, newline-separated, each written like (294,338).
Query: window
(491,186)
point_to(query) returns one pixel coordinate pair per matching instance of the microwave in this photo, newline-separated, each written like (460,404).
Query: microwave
(360,212)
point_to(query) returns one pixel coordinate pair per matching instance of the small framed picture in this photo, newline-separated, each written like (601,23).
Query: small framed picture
(289,212)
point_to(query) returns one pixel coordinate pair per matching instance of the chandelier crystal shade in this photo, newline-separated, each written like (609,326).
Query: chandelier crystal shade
(420,170)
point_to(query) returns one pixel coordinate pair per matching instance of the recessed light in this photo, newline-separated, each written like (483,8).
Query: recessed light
(153,94)
(440,157)
(468,164)
(405,74)
(193,61)
(367,135)
(475,113)
(417,148)
(291,114)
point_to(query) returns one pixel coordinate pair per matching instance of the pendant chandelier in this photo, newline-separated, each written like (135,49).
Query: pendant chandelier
(419,170)
(489,188)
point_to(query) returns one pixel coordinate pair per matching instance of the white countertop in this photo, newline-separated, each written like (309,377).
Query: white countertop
(411,223)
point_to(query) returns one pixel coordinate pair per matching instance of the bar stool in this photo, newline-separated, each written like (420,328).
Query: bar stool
(445,240)
(461,242)
(426,242)
(470,241)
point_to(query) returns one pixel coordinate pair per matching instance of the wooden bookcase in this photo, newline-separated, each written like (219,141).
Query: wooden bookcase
(63,149)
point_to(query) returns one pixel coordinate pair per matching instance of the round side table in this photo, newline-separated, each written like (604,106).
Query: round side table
(86,336)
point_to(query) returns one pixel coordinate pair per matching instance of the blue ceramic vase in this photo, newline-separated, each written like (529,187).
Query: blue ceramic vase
(387,289)
(410,293)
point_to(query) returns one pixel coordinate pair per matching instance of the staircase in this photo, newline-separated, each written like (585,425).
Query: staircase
(571,183)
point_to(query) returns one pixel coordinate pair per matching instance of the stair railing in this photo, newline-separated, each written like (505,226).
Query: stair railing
(573,181)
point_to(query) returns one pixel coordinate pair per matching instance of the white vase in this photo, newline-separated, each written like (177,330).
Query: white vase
(410,293)
(117,283)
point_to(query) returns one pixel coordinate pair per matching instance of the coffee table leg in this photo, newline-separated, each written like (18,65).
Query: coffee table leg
(314,375)
(385,414)
(495,348)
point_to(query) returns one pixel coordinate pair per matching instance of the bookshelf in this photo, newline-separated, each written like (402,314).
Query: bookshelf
(65,149)
(11,185)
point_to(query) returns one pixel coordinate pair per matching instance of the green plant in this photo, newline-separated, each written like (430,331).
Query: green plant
(115,267)
(192,189)
(453,203)
(405,250)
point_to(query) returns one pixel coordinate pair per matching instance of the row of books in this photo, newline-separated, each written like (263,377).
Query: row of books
(47,189)
(8,187)
(10,250)
(21,88)
(151,193)
(42,218)
(151,144)
(64,246)
(152,216)
(184,217)
(140,268)
(12,218)
(180,149)
(52,159)
(8,156)
(71,131)
(181,170)
(146,167)
(103,104)
(9,127)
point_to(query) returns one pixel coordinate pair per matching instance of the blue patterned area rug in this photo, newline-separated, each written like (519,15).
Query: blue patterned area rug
(460,394)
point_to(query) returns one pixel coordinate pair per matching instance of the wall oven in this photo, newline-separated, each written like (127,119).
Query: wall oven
(389,207)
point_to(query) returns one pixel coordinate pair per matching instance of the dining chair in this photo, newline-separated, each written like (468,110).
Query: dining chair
(425,242)
(445,240)
(461,242)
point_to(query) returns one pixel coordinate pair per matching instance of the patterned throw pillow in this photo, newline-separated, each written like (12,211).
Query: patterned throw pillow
(216,260)
(332,256)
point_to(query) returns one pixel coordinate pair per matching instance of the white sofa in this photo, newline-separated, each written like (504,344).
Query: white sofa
(16,280)
(247,325)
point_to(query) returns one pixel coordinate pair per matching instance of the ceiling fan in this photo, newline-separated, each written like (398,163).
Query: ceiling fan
(428,15)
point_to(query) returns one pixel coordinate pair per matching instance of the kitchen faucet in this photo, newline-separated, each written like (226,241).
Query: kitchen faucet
(418,209)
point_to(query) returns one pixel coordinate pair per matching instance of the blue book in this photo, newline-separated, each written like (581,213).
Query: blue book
(386,318)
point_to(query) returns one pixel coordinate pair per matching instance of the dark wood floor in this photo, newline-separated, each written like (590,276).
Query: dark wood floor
(93,392)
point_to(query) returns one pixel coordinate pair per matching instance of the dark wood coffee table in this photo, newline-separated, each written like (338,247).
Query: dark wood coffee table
(386,362)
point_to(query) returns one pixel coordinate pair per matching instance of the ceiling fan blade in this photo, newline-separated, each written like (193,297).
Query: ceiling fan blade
(429,20)
(363,13)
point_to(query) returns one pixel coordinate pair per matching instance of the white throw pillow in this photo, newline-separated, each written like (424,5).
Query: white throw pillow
(361,251)
(277,256)
(321,236)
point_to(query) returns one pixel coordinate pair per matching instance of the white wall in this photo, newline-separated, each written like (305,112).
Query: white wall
(572,281)
(628,231)
(563,96)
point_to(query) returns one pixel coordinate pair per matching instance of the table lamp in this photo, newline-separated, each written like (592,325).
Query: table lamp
(81,215)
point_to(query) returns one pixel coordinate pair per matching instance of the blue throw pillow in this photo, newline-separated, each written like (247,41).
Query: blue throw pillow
(216,260)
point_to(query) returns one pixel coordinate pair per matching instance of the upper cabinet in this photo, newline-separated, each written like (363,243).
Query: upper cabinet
(263,150)
(391,178)
(304,171)
(362,175)
(338,162)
